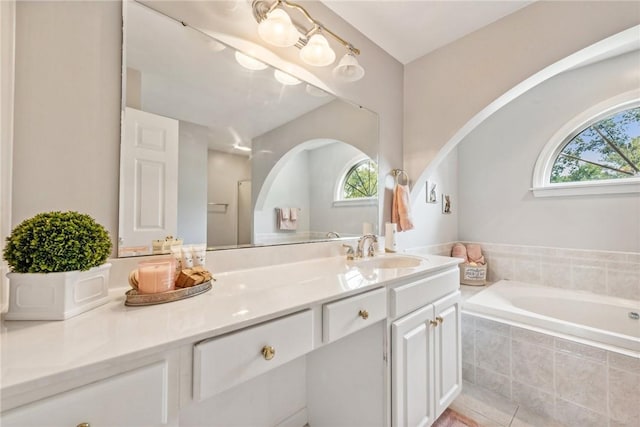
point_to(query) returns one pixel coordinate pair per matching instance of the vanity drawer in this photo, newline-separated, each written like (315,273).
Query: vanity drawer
(414,295)
(343,317)
(135,398)
(223,362)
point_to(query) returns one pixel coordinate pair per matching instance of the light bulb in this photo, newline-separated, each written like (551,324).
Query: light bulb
(348,69)
(250,63)
(278,30)
(317,51)
(285,79)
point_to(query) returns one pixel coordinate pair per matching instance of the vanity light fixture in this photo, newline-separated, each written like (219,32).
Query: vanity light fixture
(276,27)
(285,79)
(250,63)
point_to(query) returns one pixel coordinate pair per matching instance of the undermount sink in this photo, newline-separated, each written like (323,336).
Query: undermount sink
(395,261)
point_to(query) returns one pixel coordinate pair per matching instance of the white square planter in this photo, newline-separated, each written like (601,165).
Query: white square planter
(57,296)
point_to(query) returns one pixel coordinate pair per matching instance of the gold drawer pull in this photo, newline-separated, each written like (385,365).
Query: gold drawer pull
(84,425)
(440,320)
(268,352)
(433,323)
(364,314)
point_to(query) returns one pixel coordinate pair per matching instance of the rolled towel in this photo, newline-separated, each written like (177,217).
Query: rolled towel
(474,253)
(459,251)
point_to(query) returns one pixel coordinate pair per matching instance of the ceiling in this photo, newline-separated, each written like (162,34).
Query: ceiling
(409,29)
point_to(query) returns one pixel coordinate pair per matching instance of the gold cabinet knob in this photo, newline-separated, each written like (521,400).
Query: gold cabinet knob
(439,320)
(84,425)
(268,352)
(433,322)
(364,314)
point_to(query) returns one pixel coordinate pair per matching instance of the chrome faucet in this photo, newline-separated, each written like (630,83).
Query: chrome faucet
(331,234)
(361,243)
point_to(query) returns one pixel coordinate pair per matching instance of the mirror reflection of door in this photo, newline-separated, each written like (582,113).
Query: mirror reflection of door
(244,212)
(224,172)
(149,173)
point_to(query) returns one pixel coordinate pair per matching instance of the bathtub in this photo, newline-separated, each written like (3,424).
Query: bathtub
(604,321)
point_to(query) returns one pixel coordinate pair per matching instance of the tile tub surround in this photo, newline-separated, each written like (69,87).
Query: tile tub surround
(577,384)
(601,272)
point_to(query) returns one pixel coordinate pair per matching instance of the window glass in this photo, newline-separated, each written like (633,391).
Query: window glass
(361,181)
(606,149)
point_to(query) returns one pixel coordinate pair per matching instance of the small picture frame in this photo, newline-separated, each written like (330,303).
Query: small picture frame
(431,196)
(446,203)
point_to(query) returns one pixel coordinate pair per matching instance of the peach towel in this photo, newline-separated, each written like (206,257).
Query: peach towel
(401,208)
(474,252)
(459,251)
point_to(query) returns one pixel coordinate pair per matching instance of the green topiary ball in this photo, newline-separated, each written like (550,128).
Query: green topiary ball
(57,241)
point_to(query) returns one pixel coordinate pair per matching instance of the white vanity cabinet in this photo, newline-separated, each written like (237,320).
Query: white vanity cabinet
(135,398)
(426,366)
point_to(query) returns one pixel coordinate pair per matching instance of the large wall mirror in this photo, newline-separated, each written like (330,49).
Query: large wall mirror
(221,150)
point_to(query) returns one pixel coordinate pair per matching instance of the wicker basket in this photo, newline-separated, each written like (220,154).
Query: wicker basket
(474,275)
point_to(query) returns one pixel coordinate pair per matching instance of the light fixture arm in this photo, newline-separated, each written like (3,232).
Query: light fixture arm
(261,8)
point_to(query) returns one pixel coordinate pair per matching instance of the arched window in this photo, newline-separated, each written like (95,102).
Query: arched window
(361,181)
(597,152)
(606,149)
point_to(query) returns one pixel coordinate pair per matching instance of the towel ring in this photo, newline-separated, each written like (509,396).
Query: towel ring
(400,173)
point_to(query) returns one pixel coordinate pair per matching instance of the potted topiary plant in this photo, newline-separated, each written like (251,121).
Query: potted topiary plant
(58,266)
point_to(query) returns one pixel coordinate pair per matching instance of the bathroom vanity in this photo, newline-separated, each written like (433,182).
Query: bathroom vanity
(327,342)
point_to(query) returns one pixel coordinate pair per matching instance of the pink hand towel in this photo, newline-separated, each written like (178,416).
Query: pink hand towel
(474,252)
(459,251)
(294,214)
(401,208)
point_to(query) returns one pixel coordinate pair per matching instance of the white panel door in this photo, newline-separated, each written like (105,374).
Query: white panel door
(448,351)
(148,178)
(412,369)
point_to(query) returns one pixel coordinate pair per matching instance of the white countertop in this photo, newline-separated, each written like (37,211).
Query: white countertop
(33,350)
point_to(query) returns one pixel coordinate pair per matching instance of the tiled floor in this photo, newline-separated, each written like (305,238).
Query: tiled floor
(492,410)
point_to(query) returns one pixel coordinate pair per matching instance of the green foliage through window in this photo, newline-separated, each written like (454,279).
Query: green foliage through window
(361,181)
(607,149)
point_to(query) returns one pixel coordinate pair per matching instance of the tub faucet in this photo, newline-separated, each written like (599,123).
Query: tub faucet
(361,243)
(333,234)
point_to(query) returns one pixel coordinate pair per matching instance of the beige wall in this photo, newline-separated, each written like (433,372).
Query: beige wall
(68,66)
(446,88)
(67,109)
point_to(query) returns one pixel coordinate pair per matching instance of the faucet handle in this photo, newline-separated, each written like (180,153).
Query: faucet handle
(350,252)
(372,250)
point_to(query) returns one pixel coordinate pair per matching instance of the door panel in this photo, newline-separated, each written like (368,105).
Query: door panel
(448,354)
(149,185)
(412,369)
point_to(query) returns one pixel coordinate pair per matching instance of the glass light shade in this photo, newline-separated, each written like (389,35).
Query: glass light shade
(250,63)
(278,30)
(317,51)
(348,69)
(285,79)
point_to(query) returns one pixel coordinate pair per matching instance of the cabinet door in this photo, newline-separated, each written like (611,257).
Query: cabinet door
(412,369)
(448,363)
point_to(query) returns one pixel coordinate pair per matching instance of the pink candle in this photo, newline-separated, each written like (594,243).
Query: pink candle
(156,276)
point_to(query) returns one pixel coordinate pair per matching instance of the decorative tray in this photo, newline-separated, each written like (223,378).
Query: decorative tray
(137,299)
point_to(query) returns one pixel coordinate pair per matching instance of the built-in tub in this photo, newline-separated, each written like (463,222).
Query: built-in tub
(603,320)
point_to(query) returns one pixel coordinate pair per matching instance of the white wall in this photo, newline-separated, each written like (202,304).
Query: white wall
(431,225)
(224,172)
(326,166)
(446,88)
(289,189)
(496,165)
(192,184)
(337,120)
